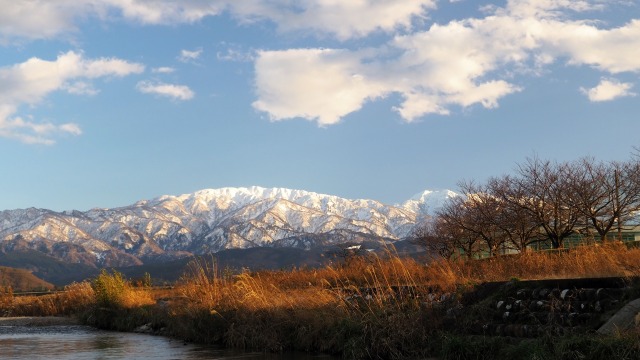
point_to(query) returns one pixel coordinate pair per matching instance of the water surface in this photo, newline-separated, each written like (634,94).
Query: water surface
(83,342)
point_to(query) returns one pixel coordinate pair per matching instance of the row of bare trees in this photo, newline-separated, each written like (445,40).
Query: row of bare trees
(543,202)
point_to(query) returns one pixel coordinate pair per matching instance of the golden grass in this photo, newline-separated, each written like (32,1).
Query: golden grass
(369,305)
(75,297)
(375,278)
(608,260)
(380,300)
(383,279)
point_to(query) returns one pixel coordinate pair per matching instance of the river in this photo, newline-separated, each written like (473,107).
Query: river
(83,342)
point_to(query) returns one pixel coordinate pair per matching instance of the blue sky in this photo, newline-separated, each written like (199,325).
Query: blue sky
(106,102)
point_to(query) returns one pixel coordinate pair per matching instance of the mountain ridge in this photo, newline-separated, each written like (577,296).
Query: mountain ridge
(210,220)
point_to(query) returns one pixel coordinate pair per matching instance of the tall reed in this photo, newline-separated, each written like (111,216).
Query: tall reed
(75,298)
(371,306)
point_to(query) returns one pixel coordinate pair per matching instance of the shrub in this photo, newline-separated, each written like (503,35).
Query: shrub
(113,291)
(109,289)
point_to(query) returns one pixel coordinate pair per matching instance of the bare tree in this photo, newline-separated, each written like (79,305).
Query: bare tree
(434,236)
(465,226)
(606,194)
(542,189)
(543,202)
(481,216)
(519,228)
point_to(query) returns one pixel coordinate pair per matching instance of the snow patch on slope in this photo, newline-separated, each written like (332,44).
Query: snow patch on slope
(428,201)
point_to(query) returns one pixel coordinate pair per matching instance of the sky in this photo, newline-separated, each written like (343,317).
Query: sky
(107,102)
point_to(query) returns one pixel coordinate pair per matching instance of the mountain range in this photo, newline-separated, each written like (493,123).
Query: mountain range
(209,221)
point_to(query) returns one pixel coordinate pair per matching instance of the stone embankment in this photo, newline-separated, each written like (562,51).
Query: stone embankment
(551,307)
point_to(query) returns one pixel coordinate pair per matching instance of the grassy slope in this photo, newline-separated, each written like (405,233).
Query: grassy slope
(45,267)
(21,280)
(60,273)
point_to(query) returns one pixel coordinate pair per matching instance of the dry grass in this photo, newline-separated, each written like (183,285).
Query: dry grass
(366,307)
(205,288)
(381,278)
(611,259)
(75,298)
(105,291)
(344,309)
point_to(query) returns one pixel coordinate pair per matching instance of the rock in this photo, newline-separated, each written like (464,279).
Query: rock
(566,294)
(523,294)
(587,294)
(143,329)
(609,293)
(623,320)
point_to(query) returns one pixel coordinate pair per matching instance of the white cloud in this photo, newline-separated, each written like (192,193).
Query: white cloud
(614,50)
(29,131)
(607,90)
(38,19)
(163,70)
(165,11)
(73,129)
(80,88)
(342,19)
(434,70)
(176,92)
(235,54)
(315,84)
(475,61)
(190,55)
(448,66)
(30,82)
(41,19)
(551,8)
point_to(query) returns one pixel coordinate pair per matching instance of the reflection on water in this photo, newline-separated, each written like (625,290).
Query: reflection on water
(81,342)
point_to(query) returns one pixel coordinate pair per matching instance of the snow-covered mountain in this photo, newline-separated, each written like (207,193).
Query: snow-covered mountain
(209,221)
(428,201)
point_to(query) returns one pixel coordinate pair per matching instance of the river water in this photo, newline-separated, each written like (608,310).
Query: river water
(82,342)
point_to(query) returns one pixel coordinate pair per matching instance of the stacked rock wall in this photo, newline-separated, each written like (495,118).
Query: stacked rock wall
(555,307)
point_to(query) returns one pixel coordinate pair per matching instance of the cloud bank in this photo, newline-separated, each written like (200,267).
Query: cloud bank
(474,61)
(28,83)
(44,19)
(433,68)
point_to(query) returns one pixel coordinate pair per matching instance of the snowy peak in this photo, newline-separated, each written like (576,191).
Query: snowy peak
(428,201)
(243,196)
(212,220)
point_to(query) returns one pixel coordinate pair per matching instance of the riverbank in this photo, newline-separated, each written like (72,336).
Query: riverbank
(38,321)
(387,308)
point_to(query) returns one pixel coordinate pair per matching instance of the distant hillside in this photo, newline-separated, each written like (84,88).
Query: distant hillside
(262,258)
(21,280)
(162,271)
(233,260)
(45,267)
